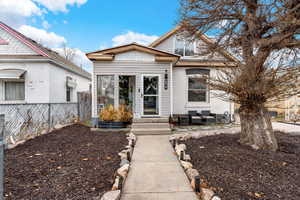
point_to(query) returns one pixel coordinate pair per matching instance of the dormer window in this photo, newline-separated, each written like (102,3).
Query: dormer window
(184,47)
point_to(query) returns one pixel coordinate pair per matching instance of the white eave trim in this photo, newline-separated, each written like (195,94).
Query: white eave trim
(11,73)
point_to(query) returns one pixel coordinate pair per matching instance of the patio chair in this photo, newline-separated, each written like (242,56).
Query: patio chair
(208,117)
(195,117)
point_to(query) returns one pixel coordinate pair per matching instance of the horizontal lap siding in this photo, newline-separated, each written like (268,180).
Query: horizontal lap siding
(135,68)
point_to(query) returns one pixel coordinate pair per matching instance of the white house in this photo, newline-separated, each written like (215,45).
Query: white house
(163,78)
(31,73)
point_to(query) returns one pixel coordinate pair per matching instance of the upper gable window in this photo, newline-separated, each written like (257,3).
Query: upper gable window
(184,47)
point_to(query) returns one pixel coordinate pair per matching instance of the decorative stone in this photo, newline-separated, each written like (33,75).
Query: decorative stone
(187,157)
(116,184)
(58,126)
(186,165)
(124,162)
(122,171)
(207,194)
(191,173)
(123,155)
(111,195)
(216,198)
(181,147)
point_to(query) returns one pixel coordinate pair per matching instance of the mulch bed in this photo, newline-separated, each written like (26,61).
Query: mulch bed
(70,163)
(237,172)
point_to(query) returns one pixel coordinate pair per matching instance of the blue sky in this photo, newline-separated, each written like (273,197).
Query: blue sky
(89,25)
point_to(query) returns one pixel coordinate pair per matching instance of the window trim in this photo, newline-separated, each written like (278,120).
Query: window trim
(13,81)
(184,47)
(207,97)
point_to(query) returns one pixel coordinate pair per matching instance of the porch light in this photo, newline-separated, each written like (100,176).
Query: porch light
(166,80)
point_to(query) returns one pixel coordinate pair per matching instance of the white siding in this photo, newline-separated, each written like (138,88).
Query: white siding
(135,67)
(167,45)
(15,46)
(180,96)
(58,87)
(44,83)
(134,56)
(36,81)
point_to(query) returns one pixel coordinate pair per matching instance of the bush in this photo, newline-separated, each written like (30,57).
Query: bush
(122,114)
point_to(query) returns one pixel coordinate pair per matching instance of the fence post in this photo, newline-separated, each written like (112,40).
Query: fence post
(2,127)
(49,115)
(78,106)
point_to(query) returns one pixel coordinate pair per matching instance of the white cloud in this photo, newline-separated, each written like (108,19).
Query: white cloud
(48,39)
(65,22)
(79,58)
(15,12)
(131,37)
(46,24)
(59,5)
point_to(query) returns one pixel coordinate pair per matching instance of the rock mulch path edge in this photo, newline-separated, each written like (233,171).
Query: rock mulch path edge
(193,175)
(121,173)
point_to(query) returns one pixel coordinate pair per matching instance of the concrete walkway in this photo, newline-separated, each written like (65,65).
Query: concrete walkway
(155,172)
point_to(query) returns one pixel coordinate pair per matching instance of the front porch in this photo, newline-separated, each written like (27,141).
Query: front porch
(140,93)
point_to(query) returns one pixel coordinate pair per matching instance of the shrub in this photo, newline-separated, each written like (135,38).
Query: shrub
(109,113)
(122,114)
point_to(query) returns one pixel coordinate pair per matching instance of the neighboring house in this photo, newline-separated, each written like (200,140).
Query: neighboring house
(163,79)
(31,73)
(292,108)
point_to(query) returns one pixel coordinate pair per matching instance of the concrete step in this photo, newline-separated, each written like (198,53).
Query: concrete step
(150,120)
(150,125)
(151,131)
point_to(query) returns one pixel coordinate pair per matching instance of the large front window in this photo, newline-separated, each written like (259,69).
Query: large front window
(197,88)
(105,90)
(14,90)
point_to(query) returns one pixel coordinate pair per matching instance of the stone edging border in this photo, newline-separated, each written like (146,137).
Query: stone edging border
(192,174)
(121,173)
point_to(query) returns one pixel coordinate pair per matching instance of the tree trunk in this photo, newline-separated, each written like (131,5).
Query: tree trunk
(256,128)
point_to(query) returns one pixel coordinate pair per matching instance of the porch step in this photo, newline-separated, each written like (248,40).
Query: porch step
(150,125)
(151,120)
(151,131)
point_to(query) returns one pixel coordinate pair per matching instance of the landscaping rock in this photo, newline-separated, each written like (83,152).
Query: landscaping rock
(187,157)
(181,147)
(191,173)
(116,184)
(111,195)
(58,126)
(216,198)
(186,165)
(122,171)
(207,194)
(124,162)
(122,155)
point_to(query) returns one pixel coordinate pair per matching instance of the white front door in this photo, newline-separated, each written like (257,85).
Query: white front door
(150,95)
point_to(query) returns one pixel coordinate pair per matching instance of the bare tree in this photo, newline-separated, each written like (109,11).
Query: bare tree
(265,35)
(68,53)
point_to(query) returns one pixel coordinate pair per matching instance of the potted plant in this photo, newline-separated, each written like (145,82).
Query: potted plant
(115,118)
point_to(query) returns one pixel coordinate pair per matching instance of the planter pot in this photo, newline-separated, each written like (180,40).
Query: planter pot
(106,124)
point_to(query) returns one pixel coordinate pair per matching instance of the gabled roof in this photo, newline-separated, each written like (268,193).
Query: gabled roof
(202,37)
(108,54)
(45,52)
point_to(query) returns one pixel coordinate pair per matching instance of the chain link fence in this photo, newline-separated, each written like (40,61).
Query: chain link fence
(23,121)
